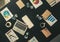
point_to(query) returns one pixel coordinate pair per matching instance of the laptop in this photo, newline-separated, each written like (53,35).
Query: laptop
(20,27)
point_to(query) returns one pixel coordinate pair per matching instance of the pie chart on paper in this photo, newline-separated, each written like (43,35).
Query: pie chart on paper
(35,1)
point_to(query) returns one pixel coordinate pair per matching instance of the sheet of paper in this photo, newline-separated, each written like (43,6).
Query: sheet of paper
(36,3)
(33,39)
(6,13)
(11,36)
(49,18)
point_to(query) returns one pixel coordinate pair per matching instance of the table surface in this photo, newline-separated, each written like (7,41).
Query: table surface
(31,13)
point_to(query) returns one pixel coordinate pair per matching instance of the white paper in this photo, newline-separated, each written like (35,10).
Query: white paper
(38,4)
(6,14)
(11,36)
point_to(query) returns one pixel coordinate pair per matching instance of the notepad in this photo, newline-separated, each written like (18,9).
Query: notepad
(46,32)
(20,4)
(27,21)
